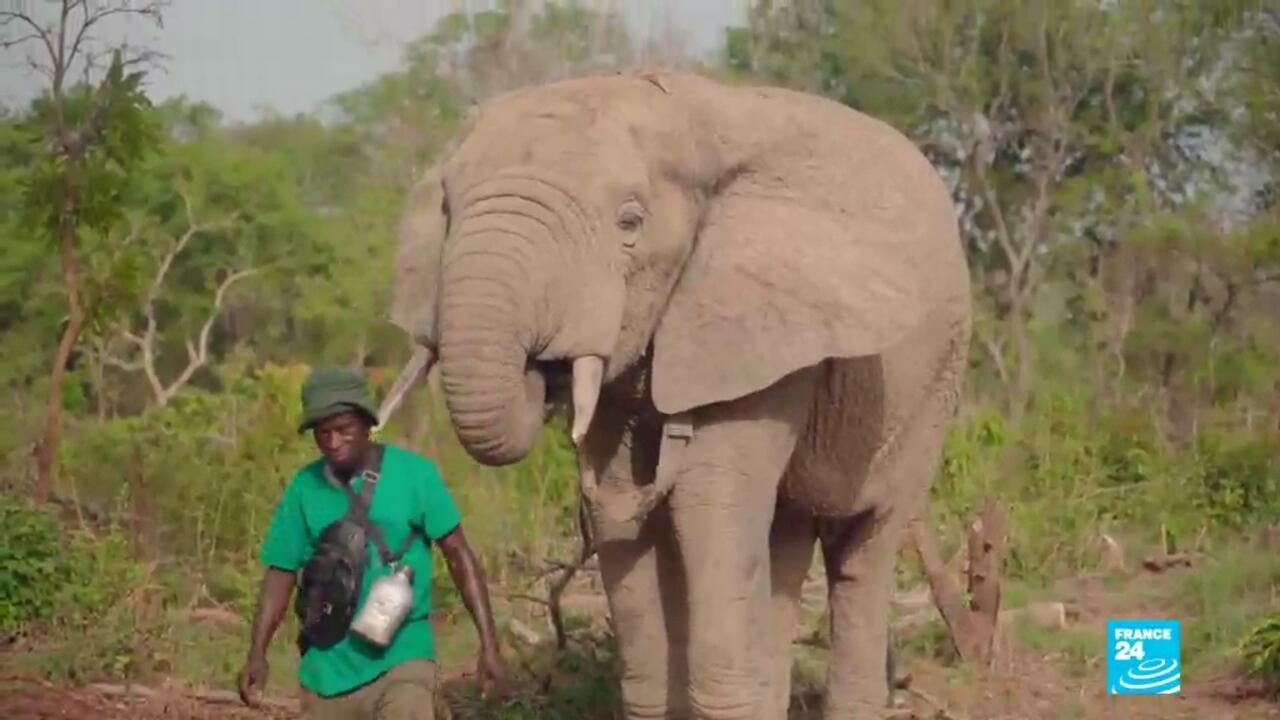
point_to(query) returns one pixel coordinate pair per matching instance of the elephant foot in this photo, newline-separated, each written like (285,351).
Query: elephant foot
(651,711)
(728,703)
(856,711)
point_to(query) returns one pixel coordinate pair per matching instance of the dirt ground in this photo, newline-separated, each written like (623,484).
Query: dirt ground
(1034,690)
(32,700)
(1030,693)
(1025,683)
(1037,689)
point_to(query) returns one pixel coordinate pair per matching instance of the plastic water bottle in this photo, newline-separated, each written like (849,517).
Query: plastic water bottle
(389,601)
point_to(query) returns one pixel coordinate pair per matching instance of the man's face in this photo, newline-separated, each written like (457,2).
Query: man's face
(342,439)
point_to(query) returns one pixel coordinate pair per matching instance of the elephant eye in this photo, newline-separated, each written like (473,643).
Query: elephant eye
(630,216)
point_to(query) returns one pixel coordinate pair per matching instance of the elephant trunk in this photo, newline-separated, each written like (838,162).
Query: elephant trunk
(521,295)
(493,391)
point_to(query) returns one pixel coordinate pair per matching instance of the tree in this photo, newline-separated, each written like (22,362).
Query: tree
(147,341)
(92,133)
(218,222)
(1056,122)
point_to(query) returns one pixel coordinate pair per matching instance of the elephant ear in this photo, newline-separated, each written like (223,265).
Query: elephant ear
(773,286)
(415,293)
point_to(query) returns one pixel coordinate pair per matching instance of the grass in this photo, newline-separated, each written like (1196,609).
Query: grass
(1222,602)
(1074,649)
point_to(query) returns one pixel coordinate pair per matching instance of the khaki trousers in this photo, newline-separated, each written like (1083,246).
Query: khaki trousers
(405,692)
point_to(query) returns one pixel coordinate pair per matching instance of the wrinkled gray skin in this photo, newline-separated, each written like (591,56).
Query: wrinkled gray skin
(781,271)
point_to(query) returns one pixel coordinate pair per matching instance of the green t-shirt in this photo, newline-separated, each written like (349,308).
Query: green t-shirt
(409,490)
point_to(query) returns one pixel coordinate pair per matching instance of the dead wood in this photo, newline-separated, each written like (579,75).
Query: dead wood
(972,624)
(1160,563)
(212,697)
(554,600)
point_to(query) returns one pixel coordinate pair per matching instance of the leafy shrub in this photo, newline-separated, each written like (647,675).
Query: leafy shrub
(1237,478)
(32,571)
(203,472)
(1076,466)
(1261,651)
(48,572)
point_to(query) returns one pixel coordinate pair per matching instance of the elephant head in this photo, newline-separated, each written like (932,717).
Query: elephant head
(592,224)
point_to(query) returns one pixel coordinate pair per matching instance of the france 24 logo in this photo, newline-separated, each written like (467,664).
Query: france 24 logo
(1144,657)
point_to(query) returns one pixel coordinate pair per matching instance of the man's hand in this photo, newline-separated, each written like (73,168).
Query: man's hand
(273,598)
(253,678)
(468,576)
(492,673)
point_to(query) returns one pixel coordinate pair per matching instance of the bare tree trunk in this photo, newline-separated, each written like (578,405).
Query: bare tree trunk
(1022,347)
(99,381)
(51,438)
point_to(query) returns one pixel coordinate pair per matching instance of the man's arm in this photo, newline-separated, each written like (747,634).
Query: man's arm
(468,576)
(273,601)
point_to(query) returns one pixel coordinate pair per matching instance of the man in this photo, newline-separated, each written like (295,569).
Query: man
(353,679)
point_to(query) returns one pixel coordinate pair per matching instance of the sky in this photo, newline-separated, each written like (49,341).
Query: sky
(289,56)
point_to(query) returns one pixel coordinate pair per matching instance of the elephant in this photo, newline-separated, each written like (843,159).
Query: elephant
(754,304)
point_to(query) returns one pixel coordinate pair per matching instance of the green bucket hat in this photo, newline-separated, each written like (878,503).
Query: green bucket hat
(328,391)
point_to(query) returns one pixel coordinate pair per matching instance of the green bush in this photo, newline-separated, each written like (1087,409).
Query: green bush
(203,473)
(1237,479)
(32,571)
(49,573)
(1261,651)
(1076,466)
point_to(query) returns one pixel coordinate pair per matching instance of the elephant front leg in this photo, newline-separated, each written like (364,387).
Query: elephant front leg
(722,507)
(791,542)
(641,570)
(645,586)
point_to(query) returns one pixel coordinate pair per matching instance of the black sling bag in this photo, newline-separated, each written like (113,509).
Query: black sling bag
(332,578)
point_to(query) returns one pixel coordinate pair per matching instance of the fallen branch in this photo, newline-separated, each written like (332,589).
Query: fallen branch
(219,617)
(554,608)
(212,697)
(1160,563)
(527,635)
(944,711)
(553,600)
(560,566)
(971,625)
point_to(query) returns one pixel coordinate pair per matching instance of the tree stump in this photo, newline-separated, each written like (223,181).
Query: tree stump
(971,625)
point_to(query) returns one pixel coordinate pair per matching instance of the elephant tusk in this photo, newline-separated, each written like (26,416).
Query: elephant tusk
(418,367)
(588,374)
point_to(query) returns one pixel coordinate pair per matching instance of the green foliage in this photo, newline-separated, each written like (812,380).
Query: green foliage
(1261,650)
(1222,602)
(1076,467)
(50,575)
(1236,480)
(30,548)
(113,126)
(207,467)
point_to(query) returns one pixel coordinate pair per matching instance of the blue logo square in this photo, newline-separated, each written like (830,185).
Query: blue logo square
(1144,657)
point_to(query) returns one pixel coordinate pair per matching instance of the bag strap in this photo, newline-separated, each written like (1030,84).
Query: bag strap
(362,504)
